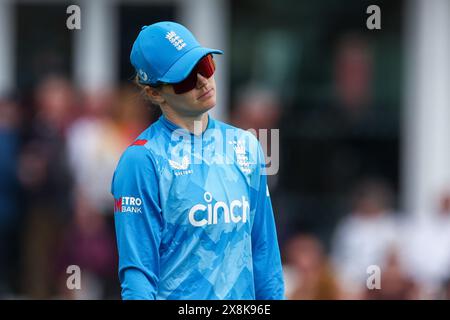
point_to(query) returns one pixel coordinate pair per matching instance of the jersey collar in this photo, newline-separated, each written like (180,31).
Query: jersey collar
(172,126)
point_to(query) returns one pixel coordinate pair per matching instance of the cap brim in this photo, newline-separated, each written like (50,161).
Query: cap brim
(184,65)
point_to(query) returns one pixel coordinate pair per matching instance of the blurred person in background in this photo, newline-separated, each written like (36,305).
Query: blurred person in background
(396,284)
(94,144)
(10,119)
(363,237)
(350,111)
(89,244)
(353,77)
(309,274)
(109,122)
(256,108)
(45,178)
(426,247)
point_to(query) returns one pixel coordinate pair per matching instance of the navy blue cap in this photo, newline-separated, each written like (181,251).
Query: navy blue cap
(166,52)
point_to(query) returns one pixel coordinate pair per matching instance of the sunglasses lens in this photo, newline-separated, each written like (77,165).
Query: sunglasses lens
(187,84)
(205,67)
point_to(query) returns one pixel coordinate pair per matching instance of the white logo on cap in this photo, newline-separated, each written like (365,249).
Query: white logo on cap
(143,75)
(175,40)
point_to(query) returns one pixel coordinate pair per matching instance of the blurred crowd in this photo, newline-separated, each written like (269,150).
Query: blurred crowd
(58,150)
(411,253)
(60,146)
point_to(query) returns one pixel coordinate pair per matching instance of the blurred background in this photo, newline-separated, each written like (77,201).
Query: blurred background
(363,115)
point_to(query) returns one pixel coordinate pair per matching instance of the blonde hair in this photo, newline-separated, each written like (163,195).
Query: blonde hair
(143,93)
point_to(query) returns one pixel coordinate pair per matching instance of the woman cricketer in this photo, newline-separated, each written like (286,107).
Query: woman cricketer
(193,214)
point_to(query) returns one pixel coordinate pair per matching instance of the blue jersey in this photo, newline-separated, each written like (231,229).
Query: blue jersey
(193,216)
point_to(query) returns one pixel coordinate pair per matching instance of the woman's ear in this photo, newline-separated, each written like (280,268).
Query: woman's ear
(154,95)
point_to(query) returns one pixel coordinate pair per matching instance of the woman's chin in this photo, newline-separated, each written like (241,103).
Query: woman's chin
(208,104)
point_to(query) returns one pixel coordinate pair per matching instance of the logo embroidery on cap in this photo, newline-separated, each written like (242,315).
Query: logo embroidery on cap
(143,75)
(175,40)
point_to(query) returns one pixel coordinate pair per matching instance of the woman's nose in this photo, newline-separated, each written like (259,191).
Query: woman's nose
(201,80)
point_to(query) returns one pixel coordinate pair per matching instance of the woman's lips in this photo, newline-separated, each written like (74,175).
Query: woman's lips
(207,94)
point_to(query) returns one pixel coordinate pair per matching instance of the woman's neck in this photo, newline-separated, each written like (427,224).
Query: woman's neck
(195,124)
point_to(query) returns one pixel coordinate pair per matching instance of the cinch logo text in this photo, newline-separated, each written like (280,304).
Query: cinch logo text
(234,212)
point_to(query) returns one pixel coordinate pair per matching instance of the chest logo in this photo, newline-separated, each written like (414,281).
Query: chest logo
(181,168)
